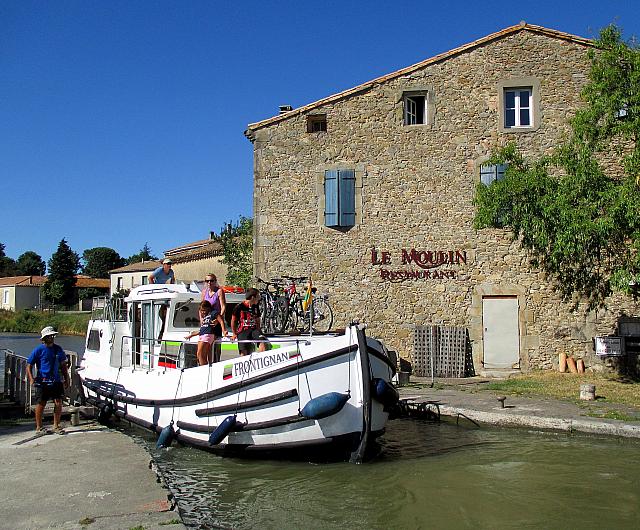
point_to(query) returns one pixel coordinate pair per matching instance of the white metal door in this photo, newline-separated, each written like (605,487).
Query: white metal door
(501,332)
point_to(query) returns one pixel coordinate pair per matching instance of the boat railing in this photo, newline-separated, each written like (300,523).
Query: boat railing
(18,388)
(142,352)
(106,308)
(156,354)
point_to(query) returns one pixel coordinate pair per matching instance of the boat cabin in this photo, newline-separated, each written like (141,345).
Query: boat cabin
(147,329)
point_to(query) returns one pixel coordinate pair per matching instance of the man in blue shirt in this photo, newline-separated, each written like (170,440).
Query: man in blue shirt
(50,360)
(163,274)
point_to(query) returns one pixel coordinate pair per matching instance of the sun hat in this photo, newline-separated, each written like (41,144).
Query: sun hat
(46,331)
(166,262)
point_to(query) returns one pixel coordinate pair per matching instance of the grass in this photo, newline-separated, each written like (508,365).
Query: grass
(33,321)
(613,415)
(609,388)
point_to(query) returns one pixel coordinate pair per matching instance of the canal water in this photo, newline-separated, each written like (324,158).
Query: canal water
(426,476)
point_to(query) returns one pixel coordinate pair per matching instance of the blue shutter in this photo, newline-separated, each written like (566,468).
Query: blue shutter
(347,197)
(331,198)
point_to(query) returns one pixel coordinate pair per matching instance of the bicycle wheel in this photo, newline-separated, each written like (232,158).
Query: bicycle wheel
(266,318)
(280,314)
(322,315)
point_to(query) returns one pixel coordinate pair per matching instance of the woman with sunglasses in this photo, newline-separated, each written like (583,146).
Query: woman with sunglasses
(214,294)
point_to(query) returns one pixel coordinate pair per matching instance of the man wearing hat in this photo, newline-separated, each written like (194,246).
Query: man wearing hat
(50,360)
(163,274)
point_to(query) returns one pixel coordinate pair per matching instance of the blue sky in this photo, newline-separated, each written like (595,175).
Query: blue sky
(121,122)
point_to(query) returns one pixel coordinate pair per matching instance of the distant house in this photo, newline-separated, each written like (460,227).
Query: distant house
(24,292)
(193,261)
(130,276)
(20,292)
(86,282)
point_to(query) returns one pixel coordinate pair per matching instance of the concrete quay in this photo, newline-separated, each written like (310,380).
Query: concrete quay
(462,398)
(91,478)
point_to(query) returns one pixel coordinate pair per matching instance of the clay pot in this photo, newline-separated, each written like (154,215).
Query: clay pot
(562,363)
(580,366)
(571,363)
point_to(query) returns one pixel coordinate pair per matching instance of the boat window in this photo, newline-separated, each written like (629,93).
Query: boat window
(186,316)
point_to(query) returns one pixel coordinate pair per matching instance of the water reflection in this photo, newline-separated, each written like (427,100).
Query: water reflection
(426,476)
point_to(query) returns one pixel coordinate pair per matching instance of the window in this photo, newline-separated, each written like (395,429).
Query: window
(517,107)
(415,109)
(340,197)
(119,284)
(316,123)
(491,173)
(145,279)
(6,297)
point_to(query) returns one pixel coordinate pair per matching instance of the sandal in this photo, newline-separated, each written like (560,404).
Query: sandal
(59,430)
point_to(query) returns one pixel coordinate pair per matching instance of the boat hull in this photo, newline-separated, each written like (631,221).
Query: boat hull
(265,392)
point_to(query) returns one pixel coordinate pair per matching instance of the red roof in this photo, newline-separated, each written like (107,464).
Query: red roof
(26,281)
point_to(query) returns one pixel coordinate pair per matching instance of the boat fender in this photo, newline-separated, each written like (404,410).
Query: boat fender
(105,412)
(384,392)
(222,430)
(324,405)
(166,437)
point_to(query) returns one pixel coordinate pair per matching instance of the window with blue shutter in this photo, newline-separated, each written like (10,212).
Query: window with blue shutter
(491,173)
(340,197)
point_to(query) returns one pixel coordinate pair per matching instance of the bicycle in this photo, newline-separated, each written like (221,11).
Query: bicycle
(319,310)
(271,311)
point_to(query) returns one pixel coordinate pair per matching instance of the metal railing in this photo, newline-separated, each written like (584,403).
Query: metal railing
(17,387)
(105,308)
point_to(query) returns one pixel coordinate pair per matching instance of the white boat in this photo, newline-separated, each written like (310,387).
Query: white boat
(315,392)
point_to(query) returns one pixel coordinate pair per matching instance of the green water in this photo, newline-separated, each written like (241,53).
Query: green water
(426,476)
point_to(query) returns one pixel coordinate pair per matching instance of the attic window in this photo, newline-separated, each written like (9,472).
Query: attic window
(316,123)
(415,108)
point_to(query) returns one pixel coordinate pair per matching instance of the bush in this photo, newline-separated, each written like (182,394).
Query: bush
(26,321)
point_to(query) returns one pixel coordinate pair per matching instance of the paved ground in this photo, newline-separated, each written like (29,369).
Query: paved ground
(91,478)
(463,398)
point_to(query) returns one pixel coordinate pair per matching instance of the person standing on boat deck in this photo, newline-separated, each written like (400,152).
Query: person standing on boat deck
(50,360)
(163,274)
(208,316)
(214,294)
(245,323)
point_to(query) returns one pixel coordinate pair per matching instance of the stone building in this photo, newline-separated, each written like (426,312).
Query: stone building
(371,192)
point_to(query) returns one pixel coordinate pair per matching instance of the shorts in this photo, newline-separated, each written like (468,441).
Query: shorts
(208,338)
(248,334)
(44,392)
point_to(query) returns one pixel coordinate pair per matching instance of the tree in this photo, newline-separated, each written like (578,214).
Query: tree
(577,211)
(7,264)
(99,261)
(237,245)
(30,264)
(143,255)
(63,266)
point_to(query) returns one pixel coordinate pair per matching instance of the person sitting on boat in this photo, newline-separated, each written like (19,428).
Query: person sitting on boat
(245,323)
(163,274)
(206,337)
(50,360)
(216,297)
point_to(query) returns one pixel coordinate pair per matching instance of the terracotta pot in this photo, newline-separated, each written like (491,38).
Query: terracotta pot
(580,366)
(562,363)
(571,363)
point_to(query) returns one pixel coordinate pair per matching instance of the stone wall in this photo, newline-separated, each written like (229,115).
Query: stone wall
(415,191)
